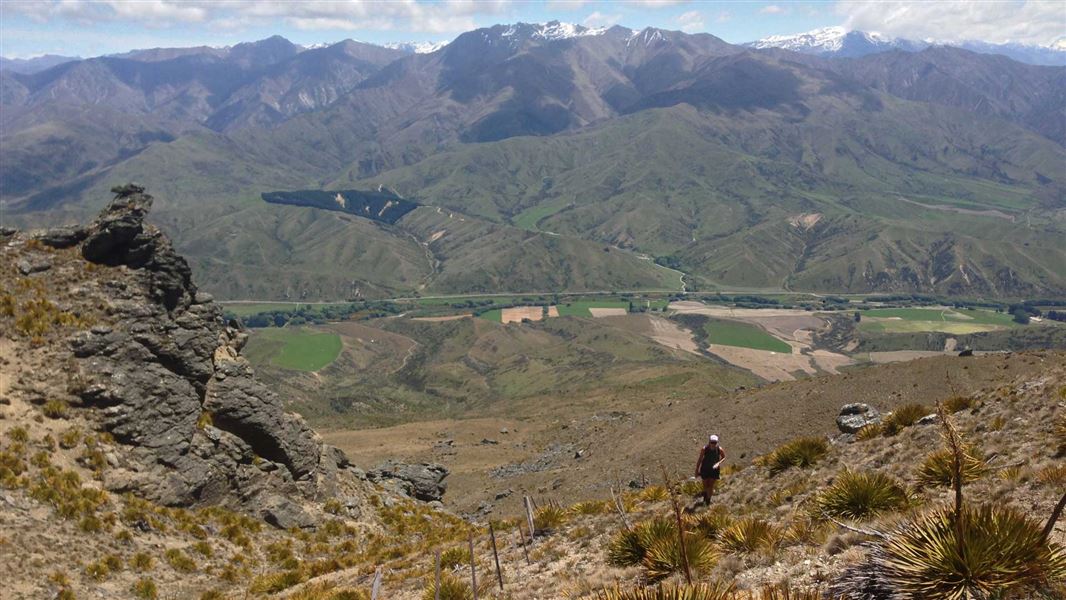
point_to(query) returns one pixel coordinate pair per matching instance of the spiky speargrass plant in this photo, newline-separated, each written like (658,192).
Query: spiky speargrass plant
(549,517)
(663,557)
(625,549)
(709,524)
(869,432)
(628,547)
(860,495)
(987,552)
(451,588)
(750,535)
(938,468)
(904,416)
(697,591)
(591,507)
(654,493)
(801,452)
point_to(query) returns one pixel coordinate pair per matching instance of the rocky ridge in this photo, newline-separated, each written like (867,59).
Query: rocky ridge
(164,372)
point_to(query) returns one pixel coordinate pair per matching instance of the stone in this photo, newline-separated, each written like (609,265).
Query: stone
(33,264)
(854,417)
(285,514)
(423,481)
(488,442)
(931,419)
(62,237)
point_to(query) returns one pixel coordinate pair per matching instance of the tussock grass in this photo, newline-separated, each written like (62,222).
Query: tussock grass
(800,453)
(145,589)
(179,561)
(956,404)
(861,495)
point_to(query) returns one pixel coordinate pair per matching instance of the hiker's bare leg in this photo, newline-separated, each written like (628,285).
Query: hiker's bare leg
(708,489)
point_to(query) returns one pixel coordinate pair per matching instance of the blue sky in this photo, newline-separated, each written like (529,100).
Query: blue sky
(95,27)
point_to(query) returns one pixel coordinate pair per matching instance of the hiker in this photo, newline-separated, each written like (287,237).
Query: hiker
(708,467)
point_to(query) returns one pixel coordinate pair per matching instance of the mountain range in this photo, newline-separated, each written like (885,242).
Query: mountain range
(557,157)
(838,41)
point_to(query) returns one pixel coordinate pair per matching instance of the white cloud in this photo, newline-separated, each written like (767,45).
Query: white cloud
(773,9)
(566,5)
(598,19)
(411,15)
(1023,21)
(723,17)
(658,3)
(692,21)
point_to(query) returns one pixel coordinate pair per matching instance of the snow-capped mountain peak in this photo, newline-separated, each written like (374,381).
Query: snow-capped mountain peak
(552,30)
(838,41)
(416,47)
(826,39)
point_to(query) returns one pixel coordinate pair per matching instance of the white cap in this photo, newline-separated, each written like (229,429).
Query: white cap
(714,438)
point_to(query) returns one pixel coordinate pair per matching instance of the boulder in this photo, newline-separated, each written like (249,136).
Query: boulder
(424,481)
(854,417)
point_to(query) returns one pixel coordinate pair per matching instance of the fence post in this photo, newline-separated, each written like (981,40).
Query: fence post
(496,555)
(436,577)
(529,517)
(473,571)
(522,543)
(376,588)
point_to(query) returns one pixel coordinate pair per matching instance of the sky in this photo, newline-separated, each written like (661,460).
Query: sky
(95,27)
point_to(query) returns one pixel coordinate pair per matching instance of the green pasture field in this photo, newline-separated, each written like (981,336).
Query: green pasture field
(743,335)
(580,308)
(947,320)
(495,315)
(297,348)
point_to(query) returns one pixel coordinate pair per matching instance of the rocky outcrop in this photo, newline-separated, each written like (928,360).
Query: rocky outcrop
(424,481)
(854,417)
(170,384)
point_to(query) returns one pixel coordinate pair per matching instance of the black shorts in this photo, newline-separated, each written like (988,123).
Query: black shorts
(712,474)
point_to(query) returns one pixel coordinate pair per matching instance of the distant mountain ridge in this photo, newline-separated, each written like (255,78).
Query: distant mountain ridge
(838,41)
(553,157)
